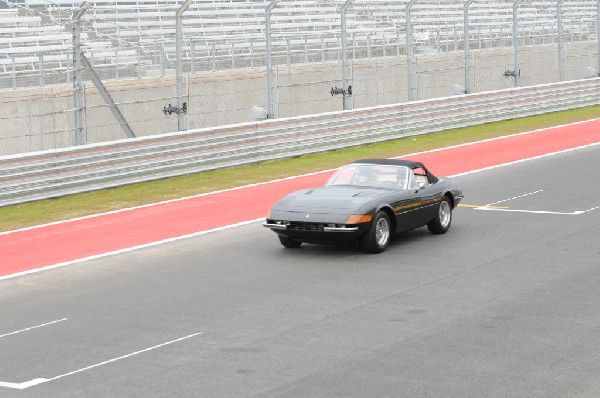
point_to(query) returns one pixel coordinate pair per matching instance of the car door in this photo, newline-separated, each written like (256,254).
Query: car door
(405,209)
(427,196)
(408,206)
(424,200)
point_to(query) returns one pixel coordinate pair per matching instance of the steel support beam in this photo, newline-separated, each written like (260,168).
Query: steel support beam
(409,52)
(466,45)
(108,99)
(345,6)
(272,4)
(178,67)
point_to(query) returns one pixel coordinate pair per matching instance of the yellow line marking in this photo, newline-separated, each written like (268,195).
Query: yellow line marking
(484,206)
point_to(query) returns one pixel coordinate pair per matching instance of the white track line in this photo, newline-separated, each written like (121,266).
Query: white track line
(515,197)
(299,176)
(573,213)
(22,386)
(30,383)
(588,210)
(160,242)
(32,327)
(527,159)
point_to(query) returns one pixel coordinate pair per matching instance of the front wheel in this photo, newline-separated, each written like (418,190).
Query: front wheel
(442,222)
(289,243)
(377,237)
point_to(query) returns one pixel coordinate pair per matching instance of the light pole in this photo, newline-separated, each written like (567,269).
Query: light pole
(268,10)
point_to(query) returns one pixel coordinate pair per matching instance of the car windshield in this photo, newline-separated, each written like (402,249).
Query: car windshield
(372,175)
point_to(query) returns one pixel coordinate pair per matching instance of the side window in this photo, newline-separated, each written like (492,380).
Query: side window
(412,181)
(421,176)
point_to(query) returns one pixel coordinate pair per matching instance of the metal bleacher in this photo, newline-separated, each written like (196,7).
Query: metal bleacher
(137,38)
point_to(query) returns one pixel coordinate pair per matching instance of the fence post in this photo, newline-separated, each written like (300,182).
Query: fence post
(178,68)
(213,53)
(41,69)
(515,34)
(305,50)
(77,86)
(598,35)
(117,64)
(561,72)
(466,45)
(14,74)
(163,58)
(232,55)
(409,51)
(345,105)
(193,55)
(268,10)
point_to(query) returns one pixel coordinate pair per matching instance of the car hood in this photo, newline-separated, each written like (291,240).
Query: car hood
(329,199)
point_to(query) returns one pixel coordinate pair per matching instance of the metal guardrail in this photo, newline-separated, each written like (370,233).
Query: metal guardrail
(41,175)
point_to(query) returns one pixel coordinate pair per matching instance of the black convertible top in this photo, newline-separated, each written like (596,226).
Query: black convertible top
(392,162)
(397,162)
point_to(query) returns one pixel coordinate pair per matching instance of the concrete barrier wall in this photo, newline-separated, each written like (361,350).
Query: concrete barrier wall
(42,118)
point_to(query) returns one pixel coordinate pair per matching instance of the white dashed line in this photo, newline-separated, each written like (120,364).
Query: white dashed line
(32,327)
(515,197)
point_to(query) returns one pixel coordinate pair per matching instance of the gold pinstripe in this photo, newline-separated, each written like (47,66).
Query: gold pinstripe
(399,209)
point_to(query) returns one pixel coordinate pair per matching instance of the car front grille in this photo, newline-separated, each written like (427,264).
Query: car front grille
(306,226)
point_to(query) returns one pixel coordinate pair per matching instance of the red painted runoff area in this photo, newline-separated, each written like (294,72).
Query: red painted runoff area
(35,248)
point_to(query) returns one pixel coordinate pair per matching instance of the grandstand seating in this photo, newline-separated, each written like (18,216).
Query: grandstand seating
(134,36)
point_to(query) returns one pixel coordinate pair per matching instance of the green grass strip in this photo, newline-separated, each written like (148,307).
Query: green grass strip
(45,211)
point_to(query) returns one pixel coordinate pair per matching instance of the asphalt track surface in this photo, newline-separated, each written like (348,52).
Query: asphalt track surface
(503,305)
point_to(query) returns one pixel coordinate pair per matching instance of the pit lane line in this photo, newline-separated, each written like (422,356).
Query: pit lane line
(493,207)
(574,213)
(40,380)
(514,197)
(32,327)
(589,136)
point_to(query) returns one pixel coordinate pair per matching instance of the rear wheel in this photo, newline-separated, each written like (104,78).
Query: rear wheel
(442,222)
(378,236)
(289,243)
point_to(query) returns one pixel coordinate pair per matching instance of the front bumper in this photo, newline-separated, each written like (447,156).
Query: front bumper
(284,227)
(313,232)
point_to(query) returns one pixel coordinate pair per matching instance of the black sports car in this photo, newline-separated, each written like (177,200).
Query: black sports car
(366,201)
